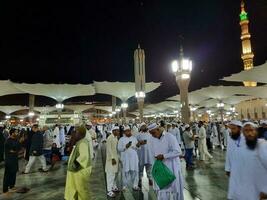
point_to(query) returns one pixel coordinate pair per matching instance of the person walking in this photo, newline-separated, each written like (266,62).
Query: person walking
(189,141)
(79,168)
(12,147)
(36,150)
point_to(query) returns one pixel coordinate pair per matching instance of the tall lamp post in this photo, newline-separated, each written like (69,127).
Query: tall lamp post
(124,107)
(220,106)
(140,79)
(182,70)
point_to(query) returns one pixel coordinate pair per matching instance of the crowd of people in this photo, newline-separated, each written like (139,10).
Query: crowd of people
(133,148)
(48,145)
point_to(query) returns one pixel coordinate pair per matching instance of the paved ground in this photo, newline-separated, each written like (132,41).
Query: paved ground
(207,182)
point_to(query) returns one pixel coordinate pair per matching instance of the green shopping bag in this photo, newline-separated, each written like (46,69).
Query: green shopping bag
(162,175)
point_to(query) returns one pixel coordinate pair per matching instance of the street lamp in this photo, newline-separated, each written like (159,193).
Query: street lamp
(124,107)
(232,110)
(193,110)
(140,79)
(59,106)
(31,114)
(182,70)
(220,106)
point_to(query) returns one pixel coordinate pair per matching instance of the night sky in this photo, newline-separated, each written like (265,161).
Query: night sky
(82,41)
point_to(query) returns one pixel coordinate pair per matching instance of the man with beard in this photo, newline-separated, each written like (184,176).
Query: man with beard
(249,169)
(234,142)
(165,147)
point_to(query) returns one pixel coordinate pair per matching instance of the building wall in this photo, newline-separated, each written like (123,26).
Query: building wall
(252,109)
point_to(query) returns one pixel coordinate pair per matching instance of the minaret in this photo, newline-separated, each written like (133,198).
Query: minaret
(247,54)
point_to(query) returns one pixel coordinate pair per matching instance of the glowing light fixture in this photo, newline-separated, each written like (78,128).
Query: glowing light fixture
(31,114)
(124,105)
(59,106)
(220,105)
(140,94)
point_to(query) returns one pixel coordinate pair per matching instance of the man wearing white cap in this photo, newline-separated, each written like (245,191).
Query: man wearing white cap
(234,142)
(189,140)
(176,133)
(127,146)
(202,142)
(165,147)
(144,153)
(248,178)
(112,161)
(88,137)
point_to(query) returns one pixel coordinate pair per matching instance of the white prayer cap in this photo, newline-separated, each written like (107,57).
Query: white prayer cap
(186,126)
(152,126)
(251,124)
(143,124)
(236,123)
(263,122)
(125,128)
(115,128)
(174,123)
(89,123)
(245,120)
(168,124)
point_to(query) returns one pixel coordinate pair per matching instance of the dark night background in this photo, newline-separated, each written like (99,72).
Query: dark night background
(82,41)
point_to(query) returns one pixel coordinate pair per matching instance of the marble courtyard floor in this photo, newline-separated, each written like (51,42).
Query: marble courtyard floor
(207,182)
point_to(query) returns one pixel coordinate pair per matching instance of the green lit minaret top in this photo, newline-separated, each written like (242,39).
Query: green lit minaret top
(243,15)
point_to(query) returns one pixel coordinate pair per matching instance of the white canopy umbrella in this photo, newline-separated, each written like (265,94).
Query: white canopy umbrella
(122,90)
(10,109)
(221,92)
(194,97)
(79,108)
(59,92)
(258,92)
(233,100)
(256,74)
(8,88)
(44,109)
(105,108)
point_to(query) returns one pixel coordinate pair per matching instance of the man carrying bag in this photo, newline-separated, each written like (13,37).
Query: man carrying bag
(166,171)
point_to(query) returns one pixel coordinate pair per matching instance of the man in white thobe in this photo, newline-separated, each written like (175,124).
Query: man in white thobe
(144,153)
(234,142)
(56,139)
(127,146)
(62,139)
(112,161)
(214,135)
(88,137)
(248,175)
(202,143)
(226,133)
(176,133)
(165,147)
